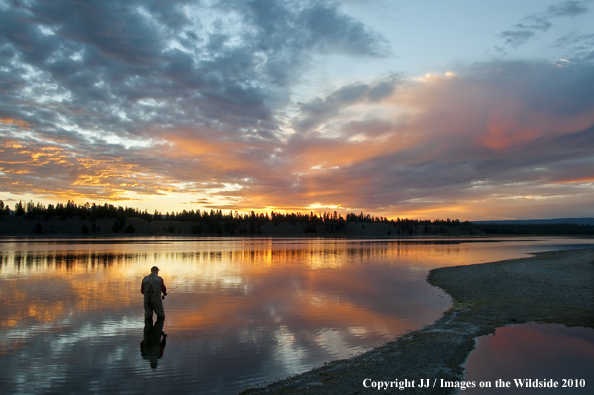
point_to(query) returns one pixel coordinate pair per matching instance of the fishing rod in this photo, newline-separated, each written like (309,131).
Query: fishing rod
(172,289)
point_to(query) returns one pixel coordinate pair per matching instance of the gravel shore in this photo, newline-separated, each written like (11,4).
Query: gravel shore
(550,287)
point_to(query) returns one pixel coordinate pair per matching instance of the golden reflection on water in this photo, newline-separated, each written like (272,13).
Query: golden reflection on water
(108,277)
(312,254)
(240,310)
(47,284)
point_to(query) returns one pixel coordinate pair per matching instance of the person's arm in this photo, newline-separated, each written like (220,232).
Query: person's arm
(163,287)
(142,287)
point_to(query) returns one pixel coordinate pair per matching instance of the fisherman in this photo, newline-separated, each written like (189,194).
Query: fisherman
(151,287)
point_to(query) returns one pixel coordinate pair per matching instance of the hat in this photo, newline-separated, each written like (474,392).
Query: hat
(154,269)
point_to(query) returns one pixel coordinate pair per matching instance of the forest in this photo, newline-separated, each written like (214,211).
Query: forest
(236,223)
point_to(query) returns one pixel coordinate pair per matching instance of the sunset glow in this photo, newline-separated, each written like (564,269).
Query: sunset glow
(380,108)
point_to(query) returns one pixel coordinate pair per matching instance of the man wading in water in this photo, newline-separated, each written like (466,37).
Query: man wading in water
(151,288)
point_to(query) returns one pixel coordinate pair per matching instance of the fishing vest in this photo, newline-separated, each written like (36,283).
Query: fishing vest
(152,283)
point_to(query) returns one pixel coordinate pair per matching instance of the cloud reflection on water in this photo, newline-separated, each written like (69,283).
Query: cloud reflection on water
(240,312)
(256,310)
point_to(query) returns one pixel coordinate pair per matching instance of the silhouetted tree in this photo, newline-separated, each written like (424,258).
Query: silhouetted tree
(19,210)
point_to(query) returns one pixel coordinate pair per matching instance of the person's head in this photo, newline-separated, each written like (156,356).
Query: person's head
(155,270)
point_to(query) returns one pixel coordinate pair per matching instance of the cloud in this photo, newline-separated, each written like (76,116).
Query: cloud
(129,100)
(486,134)
(331,31)
(515,38)
(318,110)
(580,46)
(457,143)
(119,63)
(535,23)
(134,98)
(568,8)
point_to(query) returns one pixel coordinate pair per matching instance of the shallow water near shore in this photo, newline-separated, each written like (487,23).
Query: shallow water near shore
(546,353)
(241,312)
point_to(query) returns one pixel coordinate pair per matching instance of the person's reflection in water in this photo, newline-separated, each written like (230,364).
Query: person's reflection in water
(154,341)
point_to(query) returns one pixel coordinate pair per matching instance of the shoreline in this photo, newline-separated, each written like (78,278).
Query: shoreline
(550,287)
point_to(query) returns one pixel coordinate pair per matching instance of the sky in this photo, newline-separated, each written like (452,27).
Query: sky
(419,109)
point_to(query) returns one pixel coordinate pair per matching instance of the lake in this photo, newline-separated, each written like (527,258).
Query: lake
(240,311)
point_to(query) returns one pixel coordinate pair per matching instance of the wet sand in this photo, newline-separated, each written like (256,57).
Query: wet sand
(550,287)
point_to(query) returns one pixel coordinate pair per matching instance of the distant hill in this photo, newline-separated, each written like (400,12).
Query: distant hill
(574,221)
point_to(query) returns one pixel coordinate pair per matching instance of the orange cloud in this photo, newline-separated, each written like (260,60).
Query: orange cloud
(489,115)
(501,134)
(583,180)
(216,156)
(79,176)
(17,122)
(330,153)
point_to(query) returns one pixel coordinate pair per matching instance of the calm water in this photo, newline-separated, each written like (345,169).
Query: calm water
(241,312)
(531,351)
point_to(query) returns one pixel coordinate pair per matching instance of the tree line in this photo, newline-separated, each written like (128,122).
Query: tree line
(233,222)
(219,222)
(71,209)
(32,210)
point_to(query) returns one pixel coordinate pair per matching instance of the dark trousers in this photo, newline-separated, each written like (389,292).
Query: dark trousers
(153,302)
